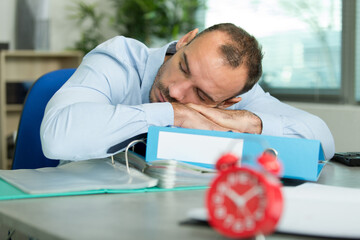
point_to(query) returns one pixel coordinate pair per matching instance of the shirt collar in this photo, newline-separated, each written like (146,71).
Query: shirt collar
(171,48)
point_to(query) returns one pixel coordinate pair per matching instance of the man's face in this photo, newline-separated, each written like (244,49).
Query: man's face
(198,74)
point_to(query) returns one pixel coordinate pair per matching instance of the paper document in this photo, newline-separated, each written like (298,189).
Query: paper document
(321,210)
(170,173)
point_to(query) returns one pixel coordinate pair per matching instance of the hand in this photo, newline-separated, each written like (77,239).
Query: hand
(235,197)
(252,192)
(239,200)
(235,120)
(187,117)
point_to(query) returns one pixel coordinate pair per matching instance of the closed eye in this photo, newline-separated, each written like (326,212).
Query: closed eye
(184,65)
(199,94)
(182,69)
(204,97)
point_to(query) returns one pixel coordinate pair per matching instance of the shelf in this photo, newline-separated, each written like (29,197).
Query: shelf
(24,66)
(38,53)
(15,79)
(18,68)
(14,107)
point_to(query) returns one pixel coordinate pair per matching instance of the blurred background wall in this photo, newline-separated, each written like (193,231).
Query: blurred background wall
(67,21)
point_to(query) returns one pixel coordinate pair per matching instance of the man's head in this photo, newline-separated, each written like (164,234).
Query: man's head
(210,68)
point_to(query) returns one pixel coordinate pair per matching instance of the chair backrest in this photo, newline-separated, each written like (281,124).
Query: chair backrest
(28,152)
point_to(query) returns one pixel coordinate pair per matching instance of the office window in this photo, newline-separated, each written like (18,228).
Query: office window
(301,41)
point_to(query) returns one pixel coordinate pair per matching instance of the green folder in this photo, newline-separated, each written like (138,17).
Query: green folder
(9,192)
(97,176)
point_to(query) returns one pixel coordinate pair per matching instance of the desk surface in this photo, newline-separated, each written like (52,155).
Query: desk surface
(154,215)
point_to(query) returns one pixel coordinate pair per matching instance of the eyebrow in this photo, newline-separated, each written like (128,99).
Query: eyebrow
(189,73)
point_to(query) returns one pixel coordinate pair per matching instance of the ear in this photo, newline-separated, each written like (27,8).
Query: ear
(229,102)
(186,38)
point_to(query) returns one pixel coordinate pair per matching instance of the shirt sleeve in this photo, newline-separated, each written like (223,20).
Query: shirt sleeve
(97,108)
(280,119)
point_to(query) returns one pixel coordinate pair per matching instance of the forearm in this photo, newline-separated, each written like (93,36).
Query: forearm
(102,104)
(299,124)
(280,119)
(87,130)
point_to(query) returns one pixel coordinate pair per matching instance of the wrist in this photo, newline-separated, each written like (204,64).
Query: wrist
(179,113)
(255,123)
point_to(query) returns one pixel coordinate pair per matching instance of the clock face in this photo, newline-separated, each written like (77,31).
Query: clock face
(238,203)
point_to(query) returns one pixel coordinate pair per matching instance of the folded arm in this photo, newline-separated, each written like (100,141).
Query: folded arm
(260,113)
(98,107)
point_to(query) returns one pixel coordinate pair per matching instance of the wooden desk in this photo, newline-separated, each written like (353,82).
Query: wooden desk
(156,215)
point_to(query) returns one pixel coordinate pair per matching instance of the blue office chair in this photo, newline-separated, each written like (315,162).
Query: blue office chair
(28,152)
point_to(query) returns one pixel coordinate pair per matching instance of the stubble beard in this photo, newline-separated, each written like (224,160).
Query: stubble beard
(160,86)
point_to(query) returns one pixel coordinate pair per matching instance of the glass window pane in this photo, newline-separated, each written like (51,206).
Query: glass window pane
(301,39)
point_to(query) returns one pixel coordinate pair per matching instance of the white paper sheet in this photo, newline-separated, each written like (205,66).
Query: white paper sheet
(315,210)
(196,148)
(321,210)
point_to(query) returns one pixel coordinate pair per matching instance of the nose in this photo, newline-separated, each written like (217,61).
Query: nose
(180,90)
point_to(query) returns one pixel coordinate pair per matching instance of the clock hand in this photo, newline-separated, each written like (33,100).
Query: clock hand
(239,201)
(251,193)
(235,197)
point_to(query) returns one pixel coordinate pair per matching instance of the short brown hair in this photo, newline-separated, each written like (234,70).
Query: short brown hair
(243,49)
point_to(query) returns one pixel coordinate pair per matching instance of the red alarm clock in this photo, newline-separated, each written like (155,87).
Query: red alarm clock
(243,202)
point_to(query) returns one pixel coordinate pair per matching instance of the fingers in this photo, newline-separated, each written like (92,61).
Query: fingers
(220,116)
(235,120)
(187,117)
(201,122)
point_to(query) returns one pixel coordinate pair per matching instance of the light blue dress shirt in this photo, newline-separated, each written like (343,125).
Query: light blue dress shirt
(106,101)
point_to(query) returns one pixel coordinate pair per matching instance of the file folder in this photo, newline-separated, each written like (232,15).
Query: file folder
(302,159)
(95,176)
